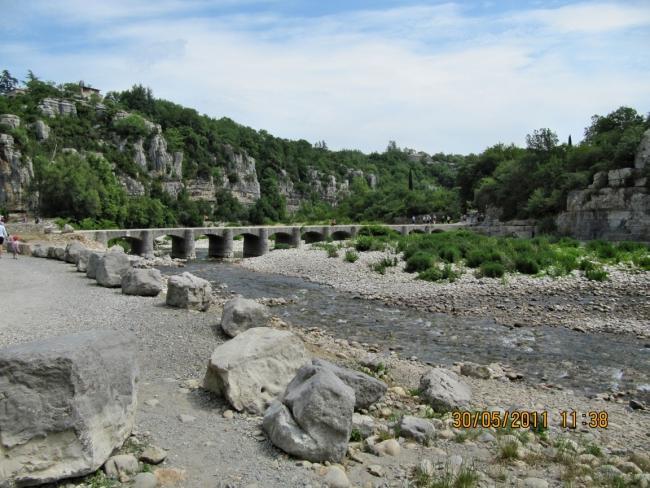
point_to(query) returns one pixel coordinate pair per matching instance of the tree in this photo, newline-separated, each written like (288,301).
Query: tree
(7,82)
(411,179)
(542,140)
(570,143)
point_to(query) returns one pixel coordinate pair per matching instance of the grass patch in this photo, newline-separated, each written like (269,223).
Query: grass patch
(596,274)
(434,273)
(355,435)
(491,269)
(385,263)
(420,261)
(351,256)
(279,245)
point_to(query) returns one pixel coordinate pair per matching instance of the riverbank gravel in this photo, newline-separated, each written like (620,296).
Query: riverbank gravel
(620,305)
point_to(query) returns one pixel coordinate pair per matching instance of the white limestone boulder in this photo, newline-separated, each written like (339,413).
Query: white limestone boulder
(240,314)
(142,282)
(93,261)
(111,268)
(189,291)
(67,403)
(313,419)
(255,367)
(72,251)
(444,390)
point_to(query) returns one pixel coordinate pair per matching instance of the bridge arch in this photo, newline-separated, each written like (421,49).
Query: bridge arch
(220,245)
(341,235)
(135,244)
(311,236)
(255,244)
(416,231)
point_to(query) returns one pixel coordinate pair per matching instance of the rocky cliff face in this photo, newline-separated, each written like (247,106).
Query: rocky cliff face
(615,207)
(16,173)
(51,107)
(241,176)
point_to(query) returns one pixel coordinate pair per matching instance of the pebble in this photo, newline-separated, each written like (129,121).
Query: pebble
(228,414)
(535,483)
(186,418)
(152,402)
(153,455)
(388,447)
(335,477)
(376,470)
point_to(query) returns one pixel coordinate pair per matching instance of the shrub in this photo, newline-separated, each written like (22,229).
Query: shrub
(603,249)
(642,262)
(492,269)
(332,251)
(434,273)
(586,265)
(449,254)
(377,231)
(381,266)
(420,261)
(351,256)
(596,274)
(526,265)
(369,243)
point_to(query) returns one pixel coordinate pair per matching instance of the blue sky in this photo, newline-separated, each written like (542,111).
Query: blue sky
(433,76)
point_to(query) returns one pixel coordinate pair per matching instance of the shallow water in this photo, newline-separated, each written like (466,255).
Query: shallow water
(588,363)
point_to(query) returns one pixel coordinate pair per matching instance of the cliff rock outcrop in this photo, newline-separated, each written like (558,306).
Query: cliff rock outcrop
(615,207)
(51,107)
(9,120)
(15,174)
(241,176)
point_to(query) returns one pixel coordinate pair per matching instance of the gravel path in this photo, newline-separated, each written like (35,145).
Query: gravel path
(41,298)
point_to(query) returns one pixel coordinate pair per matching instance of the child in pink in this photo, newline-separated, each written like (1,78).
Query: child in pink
(14,245)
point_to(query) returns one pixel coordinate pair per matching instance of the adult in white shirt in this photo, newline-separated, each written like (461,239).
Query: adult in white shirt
(3,236)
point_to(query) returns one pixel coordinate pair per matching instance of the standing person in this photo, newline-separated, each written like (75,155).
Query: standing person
(14,245)
(3,235)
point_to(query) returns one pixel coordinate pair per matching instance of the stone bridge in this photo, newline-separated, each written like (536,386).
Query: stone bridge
(256,239)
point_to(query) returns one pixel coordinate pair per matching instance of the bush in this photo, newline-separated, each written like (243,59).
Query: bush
(586,265)
(369,243)
(449,254)
(434,273)
(420,261)
(381,266)
(642,262)
(351,256)
(377,231)
(603,249)
(596,274)
(526,265)
(492,269)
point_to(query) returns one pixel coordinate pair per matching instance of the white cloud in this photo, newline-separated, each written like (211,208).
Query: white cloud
(432,78)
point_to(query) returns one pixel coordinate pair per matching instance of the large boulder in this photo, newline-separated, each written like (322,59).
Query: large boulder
(82,260)
(56,252)
(142,282)
(67,403)
(255,367)
(72,251)
(367,390)
(39,250)
(240,314)
(313,420)
(93,262)
(111,268)
(444,390)
(189,291)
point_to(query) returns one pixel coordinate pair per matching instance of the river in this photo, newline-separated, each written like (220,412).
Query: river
(587,363)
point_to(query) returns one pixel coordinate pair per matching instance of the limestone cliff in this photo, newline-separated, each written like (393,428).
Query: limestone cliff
(241,176)
(615,207)
(16,173)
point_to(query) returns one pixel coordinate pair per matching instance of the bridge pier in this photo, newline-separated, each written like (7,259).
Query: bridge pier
(145,244)
(256,245)
(183,247)
(221,247)
(101,237)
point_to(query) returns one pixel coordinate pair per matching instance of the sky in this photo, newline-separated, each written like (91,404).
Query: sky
(453,77)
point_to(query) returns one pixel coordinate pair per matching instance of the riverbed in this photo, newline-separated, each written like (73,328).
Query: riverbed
(552,357)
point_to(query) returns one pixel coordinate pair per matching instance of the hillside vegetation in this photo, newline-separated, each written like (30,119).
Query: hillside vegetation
(87,185)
